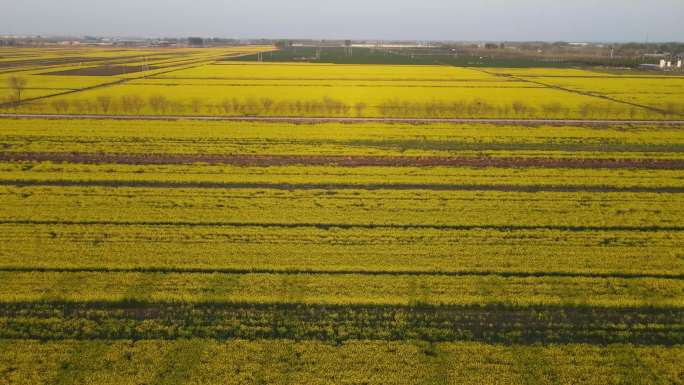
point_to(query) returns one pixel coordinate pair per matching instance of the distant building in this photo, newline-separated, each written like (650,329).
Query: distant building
(161,43)
(649,66)
(658,55)
(666,64)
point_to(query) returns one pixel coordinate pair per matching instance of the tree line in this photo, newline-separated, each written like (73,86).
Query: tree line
(17,86)
(161,105)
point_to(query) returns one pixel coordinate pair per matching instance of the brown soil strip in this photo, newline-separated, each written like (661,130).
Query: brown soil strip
(218,270)
(347,161)
(327,226)
(323,119)
(574,91)
(337,186)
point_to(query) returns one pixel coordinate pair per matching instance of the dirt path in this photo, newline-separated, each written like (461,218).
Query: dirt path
(345,160)
(341,225)
(335,271)
(191,63)
(573,91)
(337,186)
(295,119)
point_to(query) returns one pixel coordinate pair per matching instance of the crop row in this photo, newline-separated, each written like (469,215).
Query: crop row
(384,147)
(92,130)
(328,207)
(141,137)
(493,324)
(216,247)
(339,289)
(430,177)
(198,361)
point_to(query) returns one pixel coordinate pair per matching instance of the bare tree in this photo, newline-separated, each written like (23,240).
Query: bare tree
(458,108)
(137,104)
(17,84)
(79,106)
(176,107)
(60,105)
(132,103)
(104,102)
(586,109)
(633,113)
(359,107)
(252,107)
(670,109)
(267,104)
(520,108)
(552,109)
(196,105)
(227,106)
(159,103)
(237,107)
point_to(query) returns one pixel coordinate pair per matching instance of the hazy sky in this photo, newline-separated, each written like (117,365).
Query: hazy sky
(571,20)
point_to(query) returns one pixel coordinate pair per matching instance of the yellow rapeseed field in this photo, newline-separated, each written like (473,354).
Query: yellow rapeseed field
(194,82)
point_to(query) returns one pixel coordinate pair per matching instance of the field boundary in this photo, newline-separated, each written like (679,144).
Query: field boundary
(327,226)
(338,186)
(322,119)
(167,69)
(243,271)
(569,90)
(345,161)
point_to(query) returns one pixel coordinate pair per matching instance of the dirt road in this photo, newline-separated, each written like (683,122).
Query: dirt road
(290,119)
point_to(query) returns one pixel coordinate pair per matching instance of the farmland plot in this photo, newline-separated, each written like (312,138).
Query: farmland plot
(202,252)
(317,253)
(196,82)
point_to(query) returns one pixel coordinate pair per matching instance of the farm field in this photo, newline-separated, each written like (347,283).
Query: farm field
(54,72)
(188,251)
(282,361)
(175,251)
(203,82)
